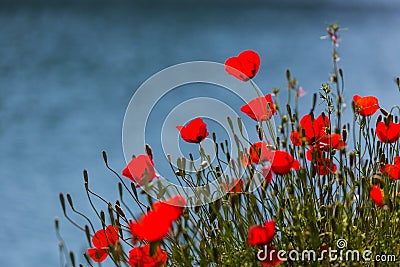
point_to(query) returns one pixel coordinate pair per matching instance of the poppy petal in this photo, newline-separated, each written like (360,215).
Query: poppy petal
(140,257)
(98,255)
(377,195)
(138,167)
(260,109)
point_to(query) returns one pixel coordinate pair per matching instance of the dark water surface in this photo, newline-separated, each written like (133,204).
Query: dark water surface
(67,73)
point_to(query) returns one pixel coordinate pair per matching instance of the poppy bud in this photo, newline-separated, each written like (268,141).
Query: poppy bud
(240,125)
(289,110)
(352,157)
(149,151)
(259,133)
(398,82)
(105,157)
(120,189)
(314,102)
(102,217)
(86,179)
(119,209)
(88,236)
(384,112)
(62,201)
(230,123)
(214,137)
(222,147)
(56,223)
(133,186)
(72,257)
(70,201)
(288,74)
(111,213)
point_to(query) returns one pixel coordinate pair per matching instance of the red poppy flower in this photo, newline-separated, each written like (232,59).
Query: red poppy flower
(97,254)
(295,137)
(261,235)
(392,170)
(324,166)
(102,240)
(267,173)
(271,259)
(315,133)
(244,66)
(377,195)
(260,109)
(194,132)
(140,257)
(137,167)
(153,226)
(388,133)
(365,106)
(172,208)
(313,130)
(283,162)
(259,152)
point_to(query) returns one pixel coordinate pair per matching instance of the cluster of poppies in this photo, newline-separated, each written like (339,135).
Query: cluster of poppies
(106,242)
(312,132)
(152,227)
(387,132)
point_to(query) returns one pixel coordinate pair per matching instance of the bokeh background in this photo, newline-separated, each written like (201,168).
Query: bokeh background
(69,68)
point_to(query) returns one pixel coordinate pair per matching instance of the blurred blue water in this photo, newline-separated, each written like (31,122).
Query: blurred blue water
(67,73)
